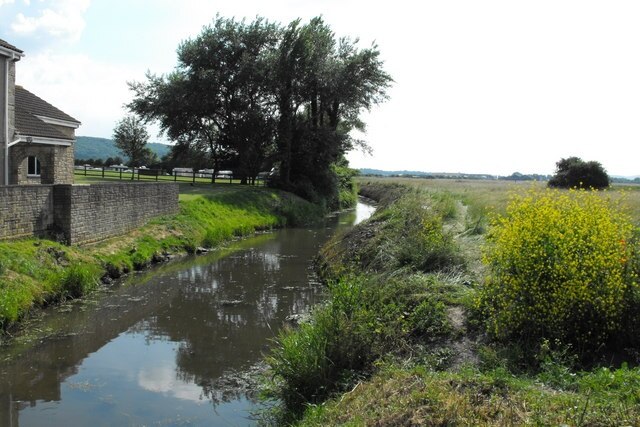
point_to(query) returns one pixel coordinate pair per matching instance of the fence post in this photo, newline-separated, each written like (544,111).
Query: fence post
(213,177)
(120,173)
(157,174)
(85,170)
(175,175)
(134,173)
(103,171)
(194,176)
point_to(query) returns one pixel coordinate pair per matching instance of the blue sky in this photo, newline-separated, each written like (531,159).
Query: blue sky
(491,86)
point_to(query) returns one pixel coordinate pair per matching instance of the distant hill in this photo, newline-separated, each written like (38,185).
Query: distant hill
(89,147)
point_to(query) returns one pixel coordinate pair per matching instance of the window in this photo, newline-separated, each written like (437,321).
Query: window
(34,166)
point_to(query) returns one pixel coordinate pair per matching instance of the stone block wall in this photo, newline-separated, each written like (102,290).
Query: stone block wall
(56,163)
(103,210)
(26,211)
(82,213)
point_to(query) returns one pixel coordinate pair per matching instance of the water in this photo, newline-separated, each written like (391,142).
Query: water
(172,346)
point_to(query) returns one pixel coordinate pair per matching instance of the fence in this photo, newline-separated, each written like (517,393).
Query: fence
(221,177)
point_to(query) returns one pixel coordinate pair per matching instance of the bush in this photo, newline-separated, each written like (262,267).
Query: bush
(573,172)
(561,268)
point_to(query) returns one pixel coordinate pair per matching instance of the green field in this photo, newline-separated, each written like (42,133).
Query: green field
(95,176)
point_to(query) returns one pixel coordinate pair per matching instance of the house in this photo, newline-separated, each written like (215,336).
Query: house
(36,139)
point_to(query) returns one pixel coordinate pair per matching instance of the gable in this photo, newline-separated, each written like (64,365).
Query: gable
(36,117)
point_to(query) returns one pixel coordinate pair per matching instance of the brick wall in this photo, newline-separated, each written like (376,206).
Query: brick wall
(83,213)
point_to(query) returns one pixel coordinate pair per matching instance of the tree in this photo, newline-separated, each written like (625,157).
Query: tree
(131,137)
(217,97)
(573,172)
(258,94)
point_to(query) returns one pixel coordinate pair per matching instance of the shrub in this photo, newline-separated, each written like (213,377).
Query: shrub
(561,268)
(573,172)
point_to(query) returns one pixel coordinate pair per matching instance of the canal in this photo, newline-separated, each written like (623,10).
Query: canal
(176,345)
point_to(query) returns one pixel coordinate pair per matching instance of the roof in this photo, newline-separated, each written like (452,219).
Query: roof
(29,107)
(9,46)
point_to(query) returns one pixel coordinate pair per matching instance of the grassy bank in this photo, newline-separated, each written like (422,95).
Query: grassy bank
(402,339)
(37,272)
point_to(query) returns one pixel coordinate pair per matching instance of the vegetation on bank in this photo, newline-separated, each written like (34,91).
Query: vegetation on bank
(406,341)
(37,272)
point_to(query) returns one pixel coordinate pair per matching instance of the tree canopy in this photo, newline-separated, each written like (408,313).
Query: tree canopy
(573,172)
(258,94)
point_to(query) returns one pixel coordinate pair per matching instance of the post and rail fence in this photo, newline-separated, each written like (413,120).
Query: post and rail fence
(181,175)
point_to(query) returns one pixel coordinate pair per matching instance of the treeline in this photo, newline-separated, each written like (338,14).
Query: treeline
(256,96)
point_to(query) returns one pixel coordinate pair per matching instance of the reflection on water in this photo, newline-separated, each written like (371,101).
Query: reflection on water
(171,346)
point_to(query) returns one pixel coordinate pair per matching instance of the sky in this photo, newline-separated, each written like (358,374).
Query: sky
(480,86)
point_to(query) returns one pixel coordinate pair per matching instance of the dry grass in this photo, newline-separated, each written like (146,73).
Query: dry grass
(494,195)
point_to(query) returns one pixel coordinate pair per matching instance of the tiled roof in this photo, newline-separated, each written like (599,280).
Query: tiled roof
(28,107)
(9,46)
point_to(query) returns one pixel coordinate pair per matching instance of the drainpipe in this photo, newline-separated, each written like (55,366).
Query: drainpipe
(7,144)
(6,121)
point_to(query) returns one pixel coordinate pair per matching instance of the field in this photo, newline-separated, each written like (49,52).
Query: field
(420,329)
(493,196)
(91,176)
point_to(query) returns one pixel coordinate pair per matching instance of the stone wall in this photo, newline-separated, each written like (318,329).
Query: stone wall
(56,163)
(26,211)
(103,210)
(82,213)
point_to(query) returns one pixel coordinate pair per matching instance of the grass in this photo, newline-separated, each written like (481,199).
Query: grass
(399,342)
(469,397)
(37,272)
(93,177)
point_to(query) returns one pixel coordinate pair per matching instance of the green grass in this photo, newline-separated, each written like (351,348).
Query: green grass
(388,295)
(93,177)
(414,351)
(418,396)
(36,272)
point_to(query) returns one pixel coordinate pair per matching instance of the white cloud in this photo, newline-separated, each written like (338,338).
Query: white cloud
(162,379)
(3,2)
(90,91)
(61,19)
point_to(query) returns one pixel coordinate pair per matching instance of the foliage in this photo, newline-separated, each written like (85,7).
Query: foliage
(364,319)
(347,187)
(406,234)
(131,137)
(562,268)
(573,172)
(254,95)
(417,396)
(78,280)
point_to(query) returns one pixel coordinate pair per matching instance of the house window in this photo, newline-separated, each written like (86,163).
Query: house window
(33,168)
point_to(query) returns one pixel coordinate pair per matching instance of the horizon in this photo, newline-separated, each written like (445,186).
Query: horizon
(491,86)
(399,171)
